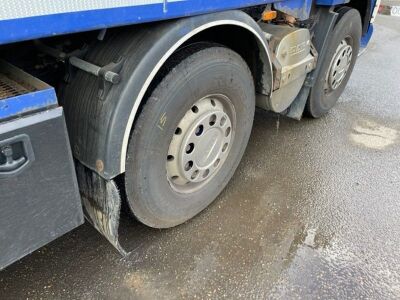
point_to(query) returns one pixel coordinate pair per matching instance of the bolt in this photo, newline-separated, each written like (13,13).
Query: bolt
(7,151)
(99,165)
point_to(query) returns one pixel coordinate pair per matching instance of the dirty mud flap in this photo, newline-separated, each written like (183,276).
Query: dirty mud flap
(296,109)
(102,204)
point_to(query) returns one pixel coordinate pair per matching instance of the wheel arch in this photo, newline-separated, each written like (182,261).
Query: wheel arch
(211,30)
(106,152)
(245,43)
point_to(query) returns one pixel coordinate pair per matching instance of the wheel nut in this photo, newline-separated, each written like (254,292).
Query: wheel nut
(195,173)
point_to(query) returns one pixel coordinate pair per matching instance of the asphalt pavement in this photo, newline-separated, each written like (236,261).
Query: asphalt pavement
(312,212)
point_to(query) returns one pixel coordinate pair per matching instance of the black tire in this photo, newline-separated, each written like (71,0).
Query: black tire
(200,72)
(347,27)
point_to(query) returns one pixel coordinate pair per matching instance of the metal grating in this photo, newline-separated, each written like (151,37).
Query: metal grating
(9,88)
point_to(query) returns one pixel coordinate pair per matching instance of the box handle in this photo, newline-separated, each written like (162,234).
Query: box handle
(11,164)
(15,165)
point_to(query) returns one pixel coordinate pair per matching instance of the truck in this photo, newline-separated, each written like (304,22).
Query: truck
(147,105)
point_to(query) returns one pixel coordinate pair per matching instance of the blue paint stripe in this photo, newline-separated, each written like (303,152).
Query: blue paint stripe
(23,104)
(51,25)
(367,36)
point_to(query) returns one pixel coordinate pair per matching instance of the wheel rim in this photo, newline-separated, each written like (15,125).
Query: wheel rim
(339,66)
(201,143)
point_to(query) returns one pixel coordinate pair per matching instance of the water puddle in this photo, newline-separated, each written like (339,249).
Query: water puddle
(372,135)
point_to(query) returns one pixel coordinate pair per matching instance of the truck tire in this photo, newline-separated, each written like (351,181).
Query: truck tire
(338,64)
(190,135)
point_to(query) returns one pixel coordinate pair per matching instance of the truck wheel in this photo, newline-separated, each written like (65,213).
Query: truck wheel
(190,136)
(338,65)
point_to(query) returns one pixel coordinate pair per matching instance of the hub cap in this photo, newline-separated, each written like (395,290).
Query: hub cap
(339,66)
(201,143)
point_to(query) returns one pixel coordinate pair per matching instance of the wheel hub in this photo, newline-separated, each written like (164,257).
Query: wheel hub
(339,66)
(201,143)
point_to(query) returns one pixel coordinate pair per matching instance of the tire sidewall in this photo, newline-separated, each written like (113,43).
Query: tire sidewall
(349,25)
(210,71)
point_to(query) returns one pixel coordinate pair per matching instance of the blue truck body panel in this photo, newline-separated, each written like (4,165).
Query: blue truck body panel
(38,26)
(367,36)
(40,23)
(26,103)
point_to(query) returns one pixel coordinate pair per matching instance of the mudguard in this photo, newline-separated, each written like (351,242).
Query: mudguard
(100,117)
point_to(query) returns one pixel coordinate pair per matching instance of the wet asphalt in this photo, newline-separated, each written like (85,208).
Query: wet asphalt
(312,212)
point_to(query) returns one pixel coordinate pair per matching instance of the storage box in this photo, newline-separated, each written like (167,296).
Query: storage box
(39,196)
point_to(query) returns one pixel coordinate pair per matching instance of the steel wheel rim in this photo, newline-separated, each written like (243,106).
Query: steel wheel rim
(339,66)
(201,143)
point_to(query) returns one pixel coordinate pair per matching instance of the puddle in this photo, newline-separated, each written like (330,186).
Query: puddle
(372,135)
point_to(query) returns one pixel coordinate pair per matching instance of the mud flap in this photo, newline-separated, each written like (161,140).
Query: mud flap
(296,109)
(102,204)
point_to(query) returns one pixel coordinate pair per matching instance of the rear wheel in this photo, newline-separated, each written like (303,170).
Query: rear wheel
(190,136)
(338,65)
